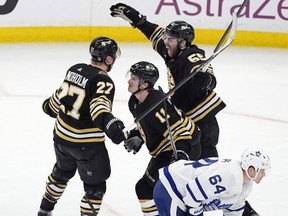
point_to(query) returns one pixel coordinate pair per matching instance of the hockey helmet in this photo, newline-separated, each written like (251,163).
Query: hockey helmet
(101,47)
(146,71)
(181,30)
(257,159)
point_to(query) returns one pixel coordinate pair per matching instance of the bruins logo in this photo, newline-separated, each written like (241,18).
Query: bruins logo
(171,82)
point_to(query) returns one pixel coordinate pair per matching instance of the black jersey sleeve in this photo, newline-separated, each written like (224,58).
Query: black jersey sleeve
(102,99)
(47,109)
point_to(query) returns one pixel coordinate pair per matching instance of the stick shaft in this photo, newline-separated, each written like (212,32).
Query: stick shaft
(229,27)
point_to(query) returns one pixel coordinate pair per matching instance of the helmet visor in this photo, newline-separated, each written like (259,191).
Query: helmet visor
(118,52)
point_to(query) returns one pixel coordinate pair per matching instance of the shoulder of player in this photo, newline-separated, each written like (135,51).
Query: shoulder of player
(153,96)
(88,68)
(191,51)
(232,174)
(155,93)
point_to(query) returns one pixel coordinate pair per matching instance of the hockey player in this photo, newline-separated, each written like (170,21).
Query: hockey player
(187,188)
(82,107)
(168,134)
(196,98)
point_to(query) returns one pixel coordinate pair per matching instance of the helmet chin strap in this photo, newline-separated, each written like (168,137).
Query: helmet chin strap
(109,67)
(179,48)
(139,89)
(256,174)
(136,91)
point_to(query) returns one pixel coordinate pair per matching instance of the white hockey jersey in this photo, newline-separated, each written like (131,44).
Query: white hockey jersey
(214,182)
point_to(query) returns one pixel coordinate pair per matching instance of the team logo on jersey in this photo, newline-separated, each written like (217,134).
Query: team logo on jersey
(171,82)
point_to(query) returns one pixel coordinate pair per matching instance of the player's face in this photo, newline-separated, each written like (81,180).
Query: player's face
(260,175)
(133,83)
(171,44)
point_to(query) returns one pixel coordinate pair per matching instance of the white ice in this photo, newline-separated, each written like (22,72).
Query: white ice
(252,82)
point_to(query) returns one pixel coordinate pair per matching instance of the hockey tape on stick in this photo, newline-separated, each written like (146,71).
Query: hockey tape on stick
(200,68)
(224,36)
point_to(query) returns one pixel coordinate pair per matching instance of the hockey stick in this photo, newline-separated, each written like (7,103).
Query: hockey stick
(182,82)
(229,27)
(168,127)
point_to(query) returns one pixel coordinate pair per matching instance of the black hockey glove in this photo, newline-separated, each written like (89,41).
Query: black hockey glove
(204,81)
(127,13)
(47,109)
(134,142)
(113,128)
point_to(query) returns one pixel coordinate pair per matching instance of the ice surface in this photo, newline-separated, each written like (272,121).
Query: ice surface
(252,82)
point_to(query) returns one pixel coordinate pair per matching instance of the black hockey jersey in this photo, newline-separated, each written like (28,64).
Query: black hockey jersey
(85,95)
(153,128)
(196,104)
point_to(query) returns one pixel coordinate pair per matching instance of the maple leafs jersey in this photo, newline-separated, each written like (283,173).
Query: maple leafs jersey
(153,128)
(214,182)
(79,105)
(197,104)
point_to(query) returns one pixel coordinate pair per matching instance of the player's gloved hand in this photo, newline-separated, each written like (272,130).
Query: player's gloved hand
(204,81)
(47,109)
(195,211)
(133,144)
(45,105)
(113,128)
(127,13)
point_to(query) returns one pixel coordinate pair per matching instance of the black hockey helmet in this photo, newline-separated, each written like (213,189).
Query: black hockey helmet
(101,47)
(181,30)
(146,71)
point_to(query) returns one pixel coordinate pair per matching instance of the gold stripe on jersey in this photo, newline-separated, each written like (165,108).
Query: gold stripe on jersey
(99,105)
(180,130)
(212,101)
(54,103)
(68,133)
(156,36)
(148,207)
(162,147)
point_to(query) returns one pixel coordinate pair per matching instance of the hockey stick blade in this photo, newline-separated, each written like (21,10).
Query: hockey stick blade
(230,26)
(182,82)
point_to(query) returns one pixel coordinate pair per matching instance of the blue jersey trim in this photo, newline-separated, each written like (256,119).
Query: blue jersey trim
(172,183)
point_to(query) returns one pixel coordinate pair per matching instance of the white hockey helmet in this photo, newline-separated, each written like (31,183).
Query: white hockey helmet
(257,159)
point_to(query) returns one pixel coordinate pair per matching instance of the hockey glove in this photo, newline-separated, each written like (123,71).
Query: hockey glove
(47,109)
(113,128)
(204,81)
(195,211)
(127,13)
(133,144)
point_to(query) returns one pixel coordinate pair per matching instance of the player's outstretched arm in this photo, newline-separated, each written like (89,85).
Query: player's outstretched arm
(127,13)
